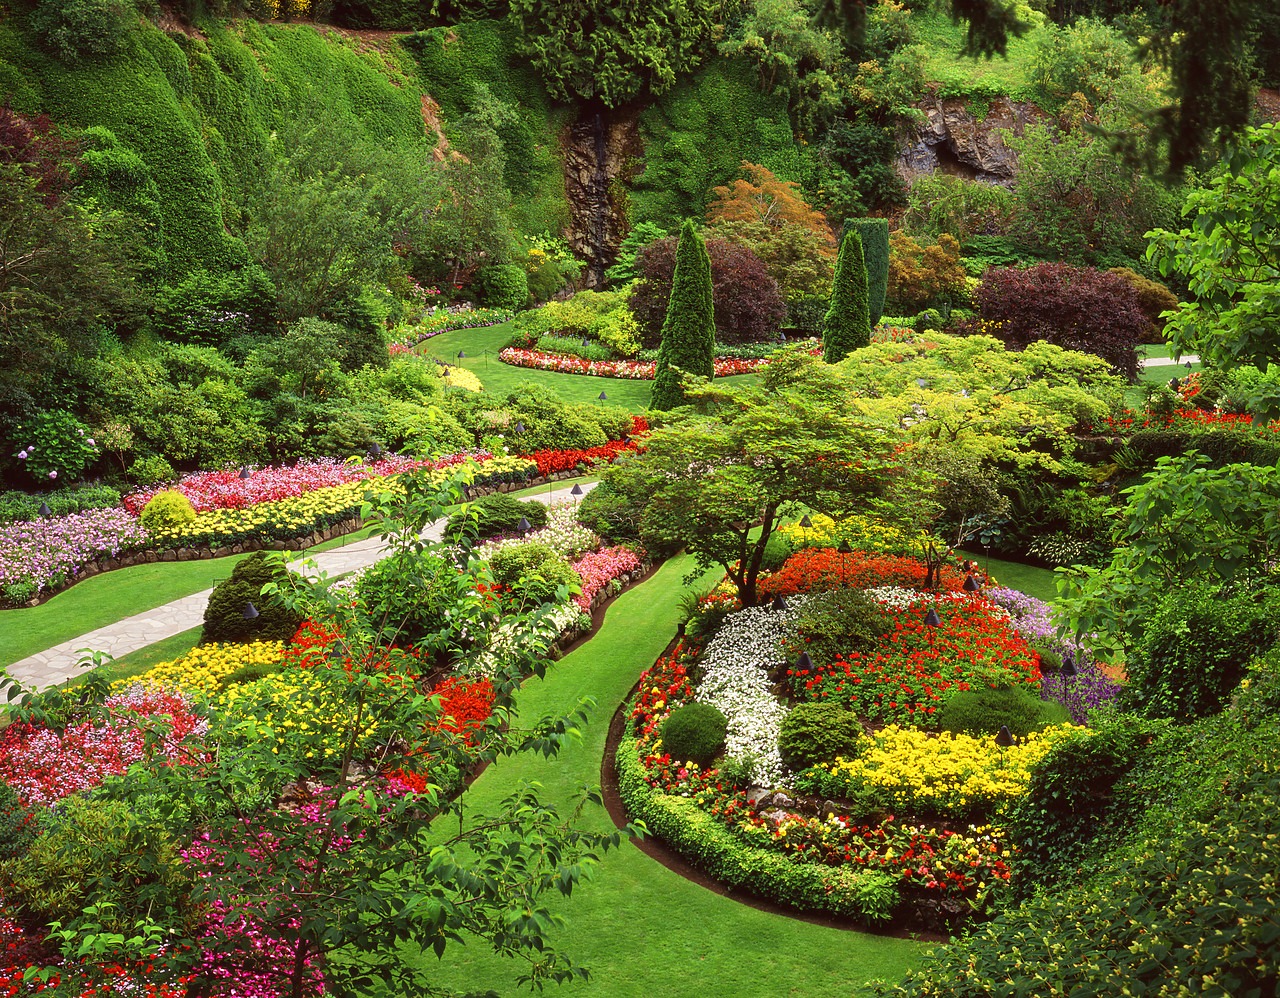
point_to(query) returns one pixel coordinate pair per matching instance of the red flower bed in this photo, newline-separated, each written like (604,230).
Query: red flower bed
(821,569)
(914,665)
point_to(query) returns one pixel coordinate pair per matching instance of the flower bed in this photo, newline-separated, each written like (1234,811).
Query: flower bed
(909,834)
(635,370)
(408,337)
(599,569)
(821,569)
(44,554)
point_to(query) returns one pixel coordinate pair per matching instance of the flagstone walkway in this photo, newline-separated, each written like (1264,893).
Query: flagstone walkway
(59,663)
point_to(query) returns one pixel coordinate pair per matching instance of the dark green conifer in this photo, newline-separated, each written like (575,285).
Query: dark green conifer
(875,257)
(689,331)
(848,322)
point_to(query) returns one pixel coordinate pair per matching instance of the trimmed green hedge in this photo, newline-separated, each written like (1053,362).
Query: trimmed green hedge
(710,846)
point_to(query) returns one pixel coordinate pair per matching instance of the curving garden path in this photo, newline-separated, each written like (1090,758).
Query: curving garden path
(57,664)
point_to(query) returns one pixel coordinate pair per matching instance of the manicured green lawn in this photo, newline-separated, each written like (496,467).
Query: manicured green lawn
(112,596)
(482,346)
(1037,582)
(642,930)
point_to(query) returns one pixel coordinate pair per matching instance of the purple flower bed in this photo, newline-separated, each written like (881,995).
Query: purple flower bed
(48,553)
(1089,688)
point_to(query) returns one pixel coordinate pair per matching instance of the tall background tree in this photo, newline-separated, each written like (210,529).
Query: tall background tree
(848,323)
(689,332)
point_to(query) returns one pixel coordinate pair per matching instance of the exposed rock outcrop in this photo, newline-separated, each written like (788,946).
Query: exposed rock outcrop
(953,140)
(599,150)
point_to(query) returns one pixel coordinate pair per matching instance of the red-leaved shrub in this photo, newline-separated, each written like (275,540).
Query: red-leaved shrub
(1076,308)
(746,299)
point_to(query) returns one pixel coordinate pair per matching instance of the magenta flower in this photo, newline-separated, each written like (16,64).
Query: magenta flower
(22,455)
(53,474)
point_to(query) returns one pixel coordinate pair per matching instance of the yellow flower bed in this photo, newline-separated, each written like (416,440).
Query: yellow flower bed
(299,711)
(905,769)
(460,377)
(862,533)
(203,669)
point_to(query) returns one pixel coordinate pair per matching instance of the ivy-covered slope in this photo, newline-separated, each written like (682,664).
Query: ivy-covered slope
(199,110)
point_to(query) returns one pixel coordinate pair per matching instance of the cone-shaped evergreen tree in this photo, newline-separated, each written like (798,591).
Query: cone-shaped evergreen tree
(848,323)
(689,331)
(875,257)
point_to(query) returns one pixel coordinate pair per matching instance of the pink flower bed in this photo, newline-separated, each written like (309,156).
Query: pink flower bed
(43,766)
(637,370)
(599,568)
(209,490)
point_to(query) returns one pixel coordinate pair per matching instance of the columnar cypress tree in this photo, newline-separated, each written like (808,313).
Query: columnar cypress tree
(875,257)
(848,324)
(689,331)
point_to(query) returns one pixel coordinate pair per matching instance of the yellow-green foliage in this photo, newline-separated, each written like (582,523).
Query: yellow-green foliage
(166,511)
(983,400)
(926,774)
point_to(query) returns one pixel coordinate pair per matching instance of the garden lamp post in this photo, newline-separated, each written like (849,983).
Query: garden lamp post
(804,661)
(245,474)
(45,511)
(576,492)
(931,619)
(778,603)
(461,354)
(250,611)
(602,396)
(806,522)
(375,451)
(970,585)
(519,426)
(845,550)
(1005,739)
(524,526)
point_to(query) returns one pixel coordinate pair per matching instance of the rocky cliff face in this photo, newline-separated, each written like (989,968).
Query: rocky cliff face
(600,148)
(951,139)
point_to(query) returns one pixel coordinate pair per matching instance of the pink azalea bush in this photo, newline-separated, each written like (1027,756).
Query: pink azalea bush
(599,568)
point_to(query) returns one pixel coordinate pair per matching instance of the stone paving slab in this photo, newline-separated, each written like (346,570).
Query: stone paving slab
(1170,362)
(57,664)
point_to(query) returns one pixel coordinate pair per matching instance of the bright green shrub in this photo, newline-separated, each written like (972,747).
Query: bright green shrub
(1070,811)
(364,317)
(18,506)
(166,510)
(776,552)
(586,349)
(840,622)
(17,830)
(847,326)
(98,852)
(814,733)
(78,29)
(689,331)
(1195,648)
(532,572)
(875,258)
(984,711)
(224,618)
(694,732)
(499,513)
(503,285)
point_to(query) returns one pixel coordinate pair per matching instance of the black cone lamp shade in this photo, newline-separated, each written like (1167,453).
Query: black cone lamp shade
(778,603)
(804,661)
(845,548)
(461,353)
(576,490)
(519,427)
(374,451)
(806,522)
(250,611)
(970,586)
(931,619)
(602,396)
(245,473)
(1005,738)
(45,511)
(524,525)
(1069,667)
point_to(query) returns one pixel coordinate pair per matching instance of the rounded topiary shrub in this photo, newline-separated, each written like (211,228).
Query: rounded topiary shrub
(983,712)
(224,618)
(818,732)
(167,510)
(498,513)
(694,732)
(503,285)
(532,572)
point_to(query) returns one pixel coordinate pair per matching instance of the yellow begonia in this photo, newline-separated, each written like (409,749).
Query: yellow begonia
(944,774)
(862,533)
(460,377)
(203,669)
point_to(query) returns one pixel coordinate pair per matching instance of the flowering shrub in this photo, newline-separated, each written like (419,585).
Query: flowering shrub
(820,569)
(563,534)
(599,568)
(57,444)
(908,673)
(50,553)
(460,377)
(551,462)
(906,770)
(43,766)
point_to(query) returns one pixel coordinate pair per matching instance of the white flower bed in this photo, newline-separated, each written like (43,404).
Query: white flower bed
(507,641)
(737,662)
(563,534)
